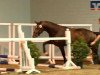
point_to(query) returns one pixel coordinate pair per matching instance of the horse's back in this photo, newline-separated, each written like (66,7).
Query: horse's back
(85,34)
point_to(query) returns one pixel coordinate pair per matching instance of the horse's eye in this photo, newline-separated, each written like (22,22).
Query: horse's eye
(40,26)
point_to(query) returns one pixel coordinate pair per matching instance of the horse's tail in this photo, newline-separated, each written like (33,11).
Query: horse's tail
(93,36)
(97,33)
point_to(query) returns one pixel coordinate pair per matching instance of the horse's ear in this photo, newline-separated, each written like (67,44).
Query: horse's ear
(36,22)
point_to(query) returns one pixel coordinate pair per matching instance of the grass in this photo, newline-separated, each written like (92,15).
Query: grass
(87,70)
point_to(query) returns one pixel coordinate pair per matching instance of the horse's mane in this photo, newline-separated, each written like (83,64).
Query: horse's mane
(52,24)
(48,22)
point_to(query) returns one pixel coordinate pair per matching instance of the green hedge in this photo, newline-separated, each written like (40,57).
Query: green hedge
(80,50)
(34,51)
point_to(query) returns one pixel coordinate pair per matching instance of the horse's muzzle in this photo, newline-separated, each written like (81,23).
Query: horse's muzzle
(36,35)
(33,36)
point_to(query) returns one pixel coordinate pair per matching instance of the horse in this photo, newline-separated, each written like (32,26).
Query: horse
(55,30)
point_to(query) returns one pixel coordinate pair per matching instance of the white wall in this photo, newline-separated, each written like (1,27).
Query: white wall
(65,11)
(14,10)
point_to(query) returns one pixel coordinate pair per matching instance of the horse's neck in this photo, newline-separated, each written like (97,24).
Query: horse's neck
(51,30)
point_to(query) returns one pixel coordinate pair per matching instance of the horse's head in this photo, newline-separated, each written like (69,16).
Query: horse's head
(38,29)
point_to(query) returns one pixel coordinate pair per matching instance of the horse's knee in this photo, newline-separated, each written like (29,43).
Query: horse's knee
(46,54)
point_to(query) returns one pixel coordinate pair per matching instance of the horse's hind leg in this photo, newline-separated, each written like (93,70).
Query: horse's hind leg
(95,57)
(63,53)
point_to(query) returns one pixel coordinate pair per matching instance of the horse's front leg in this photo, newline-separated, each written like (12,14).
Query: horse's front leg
(44,47)
(63,53)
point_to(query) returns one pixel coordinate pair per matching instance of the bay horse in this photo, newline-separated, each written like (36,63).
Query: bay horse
(55,30)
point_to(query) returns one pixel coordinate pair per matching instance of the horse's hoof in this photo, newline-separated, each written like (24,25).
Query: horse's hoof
(52,65)
(46,54)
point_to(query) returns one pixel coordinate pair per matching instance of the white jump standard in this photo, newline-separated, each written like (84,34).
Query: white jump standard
(29,67)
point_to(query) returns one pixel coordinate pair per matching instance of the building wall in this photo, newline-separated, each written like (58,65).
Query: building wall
(58,11)
(65,11)
(14,10)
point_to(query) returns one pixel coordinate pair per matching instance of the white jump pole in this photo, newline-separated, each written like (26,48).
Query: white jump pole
(27,52)
(69,64)
(73,25)
(13,43)
(51,60)
(52,54)
(10,49)
(31,39)
(11,33)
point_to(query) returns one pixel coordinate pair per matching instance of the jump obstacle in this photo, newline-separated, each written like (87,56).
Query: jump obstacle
(23,43)
(51,47)
(29,66)
(69,64)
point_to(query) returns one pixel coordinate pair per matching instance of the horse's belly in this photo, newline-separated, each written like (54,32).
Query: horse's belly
(59,43)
